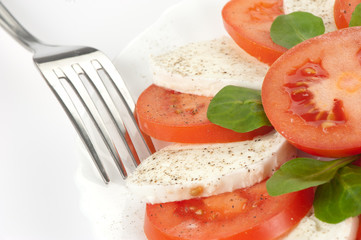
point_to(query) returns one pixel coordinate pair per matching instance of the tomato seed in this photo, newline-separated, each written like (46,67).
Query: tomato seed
(196,191)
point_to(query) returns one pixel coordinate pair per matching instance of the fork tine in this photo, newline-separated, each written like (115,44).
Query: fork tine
(86,69)
(70,73)
(125,105)
(63,97)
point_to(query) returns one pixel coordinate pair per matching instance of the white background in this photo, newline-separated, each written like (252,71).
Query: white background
(38,146)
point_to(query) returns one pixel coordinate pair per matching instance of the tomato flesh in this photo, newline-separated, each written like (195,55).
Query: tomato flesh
(312,94)
(248,22)
(298,87)
(343,10)
(248,213)
(179,117)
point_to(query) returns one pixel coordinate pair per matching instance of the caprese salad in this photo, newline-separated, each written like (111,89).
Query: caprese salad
(211,113)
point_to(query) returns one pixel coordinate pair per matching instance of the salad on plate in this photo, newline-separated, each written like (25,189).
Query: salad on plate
(252,115)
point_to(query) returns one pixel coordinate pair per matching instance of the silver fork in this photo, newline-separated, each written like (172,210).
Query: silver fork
(80,78)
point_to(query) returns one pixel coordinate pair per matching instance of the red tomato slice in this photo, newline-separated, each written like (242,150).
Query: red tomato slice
(178,117)
(312,94)
(246,214)
(248,22)
(343,10)
(358,236)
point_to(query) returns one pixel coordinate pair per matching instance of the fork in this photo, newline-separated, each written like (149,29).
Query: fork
(83,79)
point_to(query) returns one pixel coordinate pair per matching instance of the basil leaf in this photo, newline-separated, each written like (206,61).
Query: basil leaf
(302,173)
(291,29)
(237,108)
(340,198)
(356,17)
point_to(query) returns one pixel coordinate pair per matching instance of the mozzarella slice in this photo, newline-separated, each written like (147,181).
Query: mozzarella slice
(311,228)
(320,8)
(184,171)
(204,68)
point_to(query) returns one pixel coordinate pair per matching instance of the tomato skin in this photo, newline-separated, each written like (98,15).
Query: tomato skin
(161,114)
(272,218)
(252,35)
(335,141)
(358,235)
(343,10)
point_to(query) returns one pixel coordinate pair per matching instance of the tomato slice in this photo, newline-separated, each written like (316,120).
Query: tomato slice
(358,235)
(343,10)
(312,94)
(248,22)
(248,213)
(178,117)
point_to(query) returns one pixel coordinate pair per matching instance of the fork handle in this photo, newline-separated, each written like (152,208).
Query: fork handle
(16,30)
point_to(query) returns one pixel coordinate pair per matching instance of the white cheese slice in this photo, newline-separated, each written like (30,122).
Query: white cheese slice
(184,171)
(320,8)
(311,228)
(204,68)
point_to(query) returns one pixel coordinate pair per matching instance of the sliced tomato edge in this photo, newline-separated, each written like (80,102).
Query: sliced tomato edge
(253,48)
(285,216)
(264,229)
(340,19)
(327,152)
(256,49)
(205,133)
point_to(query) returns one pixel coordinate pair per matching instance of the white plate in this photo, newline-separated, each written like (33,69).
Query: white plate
(114,213)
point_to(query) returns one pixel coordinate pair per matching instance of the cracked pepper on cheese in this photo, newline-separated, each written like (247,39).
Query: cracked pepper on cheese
(183,171)
(215,64)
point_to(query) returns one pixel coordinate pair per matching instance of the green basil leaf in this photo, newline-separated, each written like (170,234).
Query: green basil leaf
(340,198)
(237,108)
(291,29)
(302,173)
(356,17)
